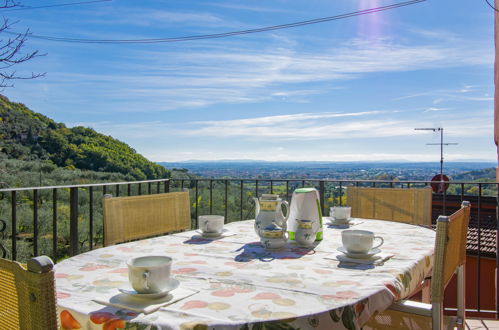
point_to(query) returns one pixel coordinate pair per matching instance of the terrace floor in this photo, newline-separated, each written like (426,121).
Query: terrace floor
(481,324)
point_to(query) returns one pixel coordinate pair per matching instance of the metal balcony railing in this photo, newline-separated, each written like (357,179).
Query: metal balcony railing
(62,221)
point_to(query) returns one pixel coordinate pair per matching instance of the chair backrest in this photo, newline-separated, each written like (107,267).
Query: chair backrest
(410,205)
(28,299)
(136,217)
(450,249)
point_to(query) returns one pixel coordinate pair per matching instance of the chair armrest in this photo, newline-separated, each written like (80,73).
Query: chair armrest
(413,307)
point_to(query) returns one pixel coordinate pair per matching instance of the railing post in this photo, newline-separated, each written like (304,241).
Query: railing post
(91,214)
(197,199)
(35,222)
(13,216)
(241,202)
(322,190)
(167,186)
(341,194)
(211,196)
(73,221)
(226,200)
(54,224)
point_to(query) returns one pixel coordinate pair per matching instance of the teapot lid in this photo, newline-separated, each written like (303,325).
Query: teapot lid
(305,190)
(271,197)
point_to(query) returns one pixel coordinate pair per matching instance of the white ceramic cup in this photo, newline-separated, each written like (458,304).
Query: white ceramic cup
(149,274)
(211,223)
(340,214)
(359,241)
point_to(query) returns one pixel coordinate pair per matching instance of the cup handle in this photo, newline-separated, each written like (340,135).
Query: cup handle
(145,277)
(381,243)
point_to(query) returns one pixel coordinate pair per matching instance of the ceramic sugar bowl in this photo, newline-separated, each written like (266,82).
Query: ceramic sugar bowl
(273,237)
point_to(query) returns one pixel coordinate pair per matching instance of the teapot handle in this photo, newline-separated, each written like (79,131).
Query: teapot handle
(286,204)
(257,206)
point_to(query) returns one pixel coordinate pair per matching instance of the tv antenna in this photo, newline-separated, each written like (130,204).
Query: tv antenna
(441,144)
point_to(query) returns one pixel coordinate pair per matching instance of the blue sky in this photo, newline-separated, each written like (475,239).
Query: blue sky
(345,90)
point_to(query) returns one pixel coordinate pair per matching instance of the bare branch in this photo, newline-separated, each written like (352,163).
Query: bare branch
(11,50)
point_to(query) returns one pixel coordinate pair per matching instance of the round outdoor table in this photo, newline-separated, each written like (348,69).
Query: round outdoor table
(239,284)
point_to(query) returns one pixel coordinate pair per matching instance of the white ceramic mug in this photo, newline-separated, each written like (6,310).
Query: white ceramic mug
(359,241)
(149,274)
(211,223)
(340,214)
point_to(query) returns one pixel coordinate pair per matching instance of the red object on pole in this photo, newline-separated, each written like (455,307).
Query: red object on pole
(439,183)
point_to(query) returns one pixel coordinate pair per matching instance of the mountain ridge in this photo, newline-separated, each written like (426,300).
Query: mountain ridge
(28,135)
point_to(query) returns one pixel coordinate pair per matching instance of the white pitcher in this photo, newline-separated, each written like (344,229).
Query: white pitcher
(268,211)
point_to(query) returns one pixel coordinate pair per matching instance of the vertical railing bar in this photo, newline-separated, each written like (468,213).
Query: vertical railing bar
(197,198)
(129,189)
(91,216)
(303,183)
(167,186)
(104,190)
(158,185)
(322,191)
(181,184)
(462,192)
(54,224)
(287,189)
(35,222)
(256,188)
(444,205)
(149,187)
(139,189)
(73,220)
(117,190)
(14,223)
(241,201)
(341,193)
(479,259)
(211,196)
(226,200)
(271,186)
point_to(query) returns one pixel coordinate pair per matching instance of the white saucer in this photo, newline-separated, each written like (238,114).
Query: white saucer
(354,255)
(174,283)
(211,235)
(333,222)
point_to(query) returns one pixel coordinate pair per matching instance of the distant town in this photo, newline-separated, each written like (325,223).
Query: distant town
(469,171)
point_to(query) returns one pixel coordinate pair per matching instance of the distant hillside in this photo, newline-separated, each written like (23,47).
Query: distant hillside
(485,175)
(27,135)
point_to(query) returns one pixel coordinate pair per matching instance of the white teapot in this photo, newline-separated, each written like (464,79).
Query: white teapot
(268,211)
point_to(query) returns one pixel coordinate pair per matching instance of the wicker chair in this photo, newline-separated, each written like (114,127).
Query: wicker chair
(28,299)
(450,257)
(137,217)
(410,205)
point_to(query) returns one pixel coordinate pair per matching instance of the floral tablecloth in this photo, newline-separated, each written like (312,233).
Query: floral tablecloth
(243,286)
